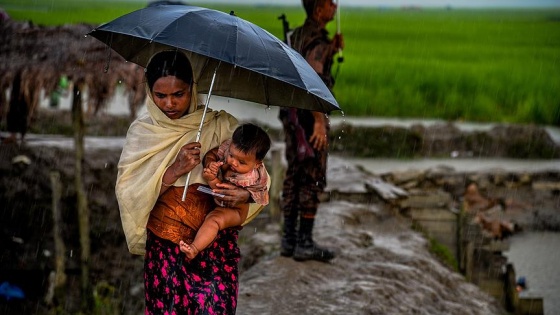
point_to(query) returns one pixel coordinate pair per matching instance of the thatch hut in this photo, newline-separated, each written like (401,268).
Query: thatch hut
(43,54)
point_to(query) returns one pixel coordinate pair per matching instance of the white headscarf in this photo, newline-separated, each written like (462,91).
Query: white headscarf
(152,143)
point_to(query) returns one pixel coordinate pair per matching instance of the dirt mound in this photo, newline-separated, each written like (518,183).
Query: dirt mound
(383,267)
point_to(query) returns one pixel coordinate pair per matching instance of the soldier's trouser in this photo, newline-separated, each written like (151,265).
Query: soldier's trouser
(304,182)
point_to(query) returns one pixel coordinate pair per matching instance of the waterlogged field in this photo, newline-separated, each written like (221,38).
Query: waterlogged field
(475,65)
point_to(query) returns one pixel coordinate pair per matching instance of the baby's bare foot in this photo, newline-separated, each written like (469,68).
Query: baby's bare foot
(189,249)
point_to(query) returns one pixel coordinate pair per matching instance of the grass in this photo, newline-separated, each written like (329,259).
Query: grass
(475,65)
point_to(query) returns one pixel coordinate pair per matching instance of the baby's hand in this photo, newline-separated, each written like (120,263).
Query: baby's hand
(215,167)
(210,172)
(208,175)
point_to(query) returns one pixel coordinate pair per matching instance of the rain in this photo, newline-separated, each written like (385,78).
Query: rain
(391,256)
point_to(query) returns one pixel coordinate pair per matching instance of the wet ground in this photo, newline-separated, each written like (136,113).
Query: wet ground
(382,267)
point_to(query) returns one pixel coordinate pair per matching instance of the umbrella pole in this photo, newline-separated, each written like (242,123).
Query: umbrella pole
(340,57)
(200,127)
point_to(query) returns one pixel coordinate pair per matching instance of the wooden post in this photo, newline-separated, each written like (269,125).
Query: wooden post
(511,297)
(82,204)
(276,182)
(58,278)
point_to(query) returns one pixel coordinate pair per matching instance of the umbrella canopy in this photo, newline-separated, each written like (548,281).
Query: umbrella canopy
(251,63)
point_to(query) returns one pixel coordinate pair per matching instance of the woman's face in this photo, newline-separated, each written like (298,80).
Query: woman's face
(172,96)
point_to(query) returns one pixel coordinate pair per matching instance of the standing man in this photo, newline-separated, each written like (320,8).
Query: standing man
(306,136)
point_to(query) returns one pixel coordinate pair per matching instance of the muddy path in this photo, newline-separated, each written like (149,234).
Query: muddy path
(383,266)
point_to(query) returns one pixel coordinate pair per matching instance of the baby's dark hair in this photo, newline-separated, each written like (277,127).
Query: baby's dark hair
(250,138)
(169,63)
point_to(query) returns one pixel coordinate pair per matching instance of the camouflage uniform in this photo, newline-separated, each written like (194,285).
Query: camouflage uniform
(305,177)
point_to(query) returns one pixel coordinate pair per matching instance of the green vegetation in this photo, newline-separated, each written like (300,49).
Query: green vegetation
(475,65)
(59,12)
(443,254)
(440,251)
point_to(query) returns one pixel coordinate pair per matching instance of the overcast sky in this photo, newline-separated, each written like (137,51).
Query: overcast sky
(425,3)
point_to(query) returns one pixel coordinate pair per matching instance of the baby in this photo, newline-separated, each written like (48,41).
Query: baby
(239,161)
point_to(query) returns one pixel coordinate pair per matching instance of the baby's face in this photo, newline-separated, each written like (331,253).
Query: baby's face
(240,162)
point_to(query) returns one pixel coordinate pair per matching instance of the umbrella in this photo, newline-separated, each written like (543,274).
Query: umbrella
(249,63)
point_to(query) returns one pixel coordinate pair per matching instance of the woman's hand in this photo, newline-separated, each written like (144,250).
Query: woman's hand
(233,195)
(187,159)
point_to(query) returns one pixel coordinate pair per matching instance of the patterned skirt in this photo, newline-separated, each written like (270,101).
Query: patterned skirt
(207,284)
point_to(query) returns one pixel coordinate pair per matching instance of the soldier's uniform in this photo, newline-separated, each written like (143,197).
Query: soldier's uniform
(306,174)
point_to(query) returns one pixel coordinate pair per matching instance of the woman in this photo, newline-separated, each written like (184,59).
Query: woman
(159,152)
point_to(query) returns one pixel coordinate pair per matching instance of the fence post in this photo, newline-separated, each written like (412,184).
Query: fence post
(57,279)
(276,182)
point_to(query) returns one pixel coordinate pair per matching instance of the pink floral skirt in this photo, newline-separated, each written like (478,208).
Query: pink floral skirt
(207,284)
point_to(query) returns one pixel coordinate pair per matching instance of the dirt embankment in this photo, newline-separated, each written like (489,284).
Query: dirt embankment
(383,267)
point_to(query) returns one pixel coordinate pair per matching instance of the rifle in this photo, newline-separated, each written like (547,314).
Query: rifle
(304,150)
(286,29)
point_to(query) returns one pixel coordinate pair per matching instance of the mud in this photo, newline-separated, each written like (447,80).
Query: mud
(382,267)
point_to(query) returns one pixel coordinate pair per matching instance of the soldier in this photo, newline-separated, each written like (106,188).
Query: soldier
(306,139)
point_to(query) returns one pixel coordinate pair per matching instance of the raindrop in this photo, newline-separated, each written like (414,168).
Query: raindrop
(71,253)
(120,81)
(85,36)
(106,164)
(267,108)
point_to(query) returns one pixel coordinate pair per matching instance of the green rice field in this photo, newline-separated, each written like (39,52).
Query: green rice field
(472,65)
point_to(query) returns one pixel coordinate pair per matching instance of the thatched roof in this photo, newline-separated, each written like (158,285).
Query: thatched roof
(43,54)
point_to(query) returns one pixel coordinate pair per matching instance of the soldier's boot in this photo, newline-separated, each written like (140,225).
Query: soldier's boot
(306,248)
(289,235)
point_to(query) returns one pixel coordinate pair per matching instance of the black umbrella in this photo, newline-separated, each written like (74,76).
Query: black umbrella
(251,63)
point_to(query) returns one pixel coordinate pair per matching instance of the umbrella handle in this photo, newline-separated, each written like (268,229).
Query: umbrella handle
(340,57)
(337,18)
(200,126)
